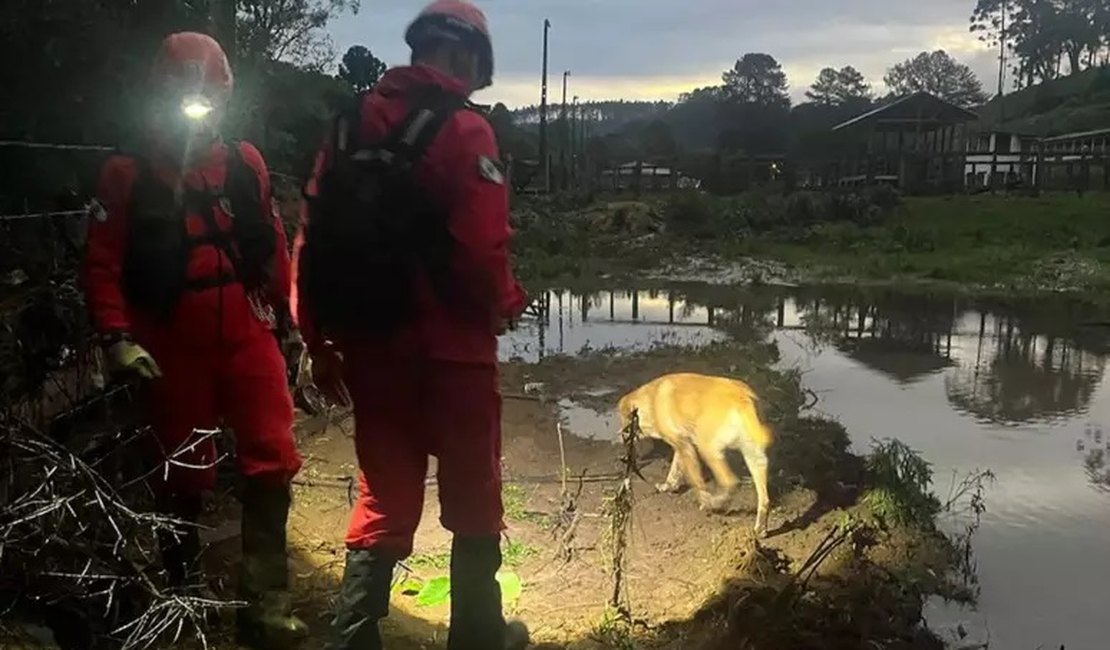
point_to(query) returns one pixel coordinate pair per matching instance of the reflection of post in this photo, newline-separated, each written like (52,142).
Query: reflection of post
(781,318)
(559,298)
(612,313)
(862,321)
(544,324)
(635,305)
(585,308)
(670,307)
(709,316)
(982,335)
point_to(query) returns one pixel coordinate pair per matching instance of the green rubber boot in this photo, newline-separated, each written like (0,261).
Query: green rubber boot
(267,622)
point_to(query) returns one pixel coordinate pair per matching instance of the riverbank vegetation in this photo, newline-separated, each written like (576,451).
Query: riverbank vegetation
(1051,242)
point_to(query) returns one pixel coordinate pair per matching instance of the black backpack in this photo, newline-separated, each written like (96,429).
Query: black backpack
(371,227)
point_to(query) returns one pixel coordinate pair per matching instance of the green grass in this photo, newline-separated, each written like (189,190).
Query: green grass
(439,561)
(965,239)
(516,553)
(1056,240)
(513,554)
(514,499)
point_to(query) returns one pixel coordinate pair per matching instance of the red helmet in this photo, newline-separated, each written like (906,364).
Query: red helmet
(193,63)
(456,20)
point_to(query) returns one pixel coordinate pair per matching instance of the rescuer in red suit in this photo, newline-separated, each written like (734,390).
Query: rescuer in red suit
(186,275)
(430,386)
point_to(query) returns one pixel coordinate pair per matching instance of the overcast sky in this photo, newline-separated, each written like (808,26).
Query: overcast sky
(656,49)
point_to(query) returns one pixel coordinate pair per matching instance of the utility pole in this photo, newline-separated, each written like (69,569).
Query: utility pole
(571,135)
(563,133)
(544,158)
(1002,65)
(574,126)
(563,110)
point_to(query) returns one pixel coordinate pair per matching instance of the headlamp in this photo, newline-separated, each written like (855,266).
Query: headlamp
(196,108)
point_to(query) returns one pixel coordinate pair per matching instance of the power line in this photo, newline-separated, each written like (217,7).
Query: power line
(58,147)
(42,215)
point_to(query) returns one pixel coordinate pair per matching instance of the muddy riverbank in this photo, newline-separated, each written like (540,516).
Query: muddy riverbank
(694,580)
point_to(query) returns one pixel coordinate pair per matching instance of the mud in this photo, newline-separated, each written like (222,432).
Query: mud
(689,573)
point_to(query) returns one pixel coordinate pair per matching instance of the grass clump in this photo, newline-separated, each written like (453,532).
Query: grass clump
(900,486)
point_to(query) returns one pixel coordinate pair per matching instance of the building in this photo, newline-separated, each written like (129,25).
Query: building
(916,143)
(1000,158)
(1071,161)
(646,176)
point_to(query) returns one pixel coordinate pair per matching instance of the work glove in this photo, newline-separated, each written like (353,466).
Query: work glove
(125,357)
(327,375)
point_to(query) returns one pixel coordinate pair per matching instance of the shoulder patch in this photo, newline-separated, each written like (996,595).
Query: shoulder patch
(490,171)
(95,210)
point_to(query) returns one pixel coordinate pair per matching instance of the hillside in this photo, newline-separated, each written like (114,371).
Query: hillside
(1079,102)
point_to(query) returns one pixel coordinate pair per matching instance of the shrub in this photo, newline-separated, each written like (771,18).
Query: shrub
(900,481)
(691,214)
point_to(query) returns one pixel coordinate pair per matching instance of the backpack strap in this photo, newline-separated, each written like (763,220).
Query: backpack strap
(404,147)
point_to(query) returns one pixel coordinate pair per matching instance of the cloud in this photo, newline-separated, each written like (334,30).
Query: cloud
(651,49)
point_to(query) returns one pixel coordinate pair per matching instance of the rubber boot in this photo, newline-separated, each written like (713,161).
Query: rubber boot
(180,548)
(266,623)
(181,553)
(363,601)
(477,622)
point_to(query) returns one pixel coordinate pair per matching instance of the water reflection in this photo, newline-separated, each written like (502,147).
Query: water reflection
(1096,456)
(617,320)
(1013,386)
(1005,363)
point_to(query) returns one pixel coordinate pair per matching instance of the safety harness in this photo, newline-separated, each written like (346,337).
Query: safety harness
(371,228)
(159,244)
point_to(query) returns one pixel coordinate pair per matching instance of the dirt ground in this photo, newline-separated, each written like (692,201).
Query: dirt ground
(680,558)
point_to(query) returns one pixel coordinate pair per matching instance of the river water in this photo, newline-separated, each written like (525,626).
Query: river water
(1016,387)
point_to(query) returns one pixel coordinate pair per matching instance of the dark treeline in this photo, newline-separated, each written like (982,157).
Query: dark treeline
(74,73)
(750,113)
(1046,39)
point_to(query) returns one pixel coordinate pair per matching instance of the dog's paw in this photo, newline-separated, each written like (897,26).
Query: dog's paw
(667,488)
(760,528)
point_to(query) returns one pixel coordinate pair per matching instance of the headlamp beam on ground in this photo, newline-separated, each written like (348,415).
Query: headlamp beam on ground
(196,108)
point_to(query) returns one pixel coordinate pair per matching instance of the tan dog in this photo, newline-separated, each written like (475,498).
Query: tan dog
(706,416)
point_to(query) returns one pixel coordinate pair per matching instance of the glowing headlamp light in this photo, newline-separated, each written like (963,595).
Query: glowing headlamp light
(196,108)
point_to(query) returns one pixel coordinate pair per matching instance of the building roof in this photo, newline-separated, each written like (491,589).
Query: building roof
(918,108)
(1077,135)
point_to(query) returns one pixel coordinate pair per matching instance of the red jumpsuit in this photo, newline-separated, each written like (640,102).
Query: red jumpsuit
(433,388)
(219,360)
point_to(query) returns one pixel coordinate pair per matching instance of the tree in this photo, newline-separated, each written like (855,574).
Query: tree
(939,74)
(361,68)
(1041,35)
(756,79)
(289,30)
(840,87)
(658,141)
